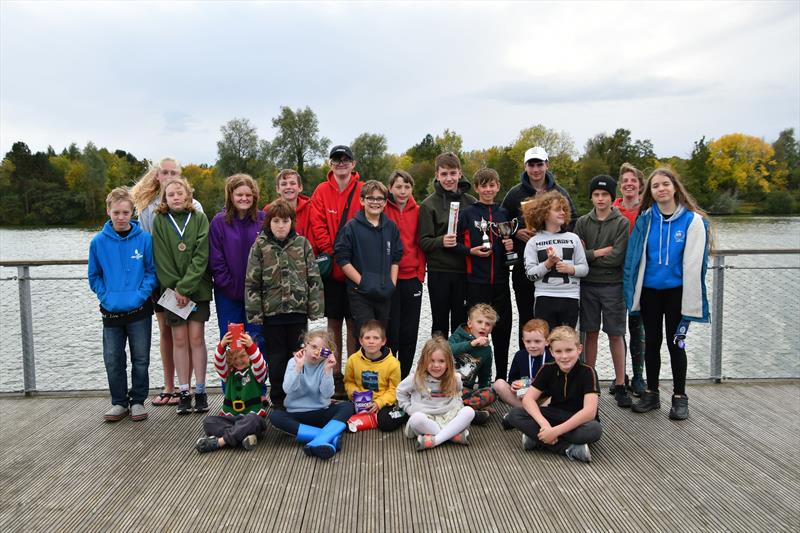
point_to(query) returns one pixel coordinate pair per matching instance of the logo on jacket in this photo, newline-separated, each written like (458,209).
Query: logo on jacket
(679,236)
(136,255)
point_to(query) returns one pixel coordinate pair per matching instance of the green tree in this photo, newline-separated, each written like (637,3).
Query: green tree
(744,165)
(239,148)
(449,141)
(369,150)
(298,141)
(425,150)
(787,155)
(620,148)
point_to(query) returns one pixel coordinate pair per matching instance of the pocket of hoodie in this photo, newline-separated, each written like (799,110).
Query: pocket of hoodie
(375,286)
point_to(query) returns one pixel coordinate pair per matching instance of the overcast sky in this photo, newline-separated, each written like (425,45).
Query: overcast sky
(160,78)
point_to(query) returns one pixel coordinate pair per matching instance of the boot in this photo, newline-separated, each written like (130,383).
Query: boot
(680,408)
(648,402)
(326,442)
(362,422)
(306,434)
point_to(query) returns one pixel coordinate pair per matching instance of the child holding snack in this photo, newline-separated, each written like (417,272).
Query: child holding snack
(240,364)
(432,398)
(180,247)
(122,275)
(473,359)
(570,422)
(374,369)
(525,365)
(310,416)
(554,260)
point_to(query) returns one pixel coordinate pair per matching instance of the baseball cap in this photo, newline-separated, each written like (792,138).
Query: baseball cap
(340,150)
(537,152)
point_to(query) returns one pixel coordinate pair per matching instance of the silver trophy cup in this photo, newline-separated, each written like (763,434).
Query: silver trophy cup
(484,227)
(505,230)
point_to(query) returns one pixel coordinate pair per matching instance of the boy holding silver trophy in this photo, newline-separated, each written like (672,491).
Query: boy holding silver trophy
(484,237)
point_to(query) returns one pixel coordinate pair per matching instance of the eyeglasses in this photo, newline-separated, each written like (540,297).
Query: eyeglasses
(342,161)
(168,172)
(375,199)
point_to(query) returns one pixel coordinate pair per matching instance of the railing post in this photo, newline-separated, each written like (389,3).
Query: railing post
(26,325)
(718,283)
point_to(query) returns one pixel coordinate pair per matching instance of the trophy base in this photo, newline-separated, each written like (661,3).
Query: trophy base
(512,258)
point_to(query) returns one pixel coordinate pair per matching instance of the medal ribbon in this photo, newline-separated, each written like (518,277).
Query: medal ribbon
(180,232)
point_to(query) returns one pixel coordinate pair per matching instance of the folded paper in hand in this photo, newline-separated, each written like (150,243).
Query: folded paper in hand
(169,301)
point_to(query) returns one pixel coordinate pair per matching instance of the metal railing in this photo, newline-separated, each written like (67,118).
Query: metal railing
(718,269)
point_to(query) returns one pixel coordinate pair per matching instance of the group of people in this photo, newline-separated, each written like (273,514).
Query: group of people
(357,253)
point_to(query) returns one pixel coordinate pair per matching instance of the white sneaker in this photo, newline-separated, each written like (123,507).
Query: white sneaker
(408,432)
(138,412)
(249,442)
(116,413)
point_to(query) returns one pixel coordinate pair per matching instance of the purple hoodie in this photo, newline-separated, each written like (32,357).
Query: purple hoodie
(229,248)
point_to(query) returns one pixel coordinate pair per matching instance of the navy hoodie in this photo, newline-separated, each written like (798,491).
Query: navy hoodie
(490,269)
(372,250)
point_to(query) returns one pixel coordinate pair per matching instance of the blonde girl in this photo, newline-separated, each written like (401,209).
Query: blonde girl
(180,247)
(432,398)
(146,195)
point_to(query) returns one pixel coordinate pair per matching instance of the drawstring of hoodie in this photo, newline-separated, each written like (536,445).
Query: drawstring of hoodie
(661,236)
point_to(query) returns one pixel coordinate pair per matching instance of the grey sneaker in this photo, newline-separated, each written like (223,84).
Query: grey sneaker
(462,438)
(116,413)
(206,444)
(579,452)
(529,443)
(138,412)
(249,442)
(481,417)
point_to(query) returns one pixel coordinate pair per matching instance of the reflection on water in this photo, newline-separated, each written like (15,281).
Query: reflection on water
(762,311)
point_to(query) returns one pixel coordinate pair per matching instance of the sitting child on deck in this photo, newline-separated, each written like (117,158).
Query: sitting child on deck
(570,422)
(432,398)
(241,419)
(525,365)
(310,416)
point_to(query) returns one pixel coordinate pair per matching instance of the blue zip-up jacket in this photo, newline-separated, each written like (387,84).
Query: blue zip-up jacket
(308,390)
(121,270)
(525,365)
(666,253)
(372,250)
(490,269)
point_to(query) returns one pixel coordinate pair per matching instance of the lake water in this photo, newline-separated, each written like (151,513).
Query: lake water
(761,318)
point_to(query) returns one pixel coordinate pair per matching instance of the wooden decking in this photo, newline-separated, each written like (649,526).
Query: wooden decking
(733,466)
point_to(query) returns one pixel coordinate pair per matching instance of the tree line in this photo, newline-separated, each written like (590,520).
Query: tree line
(735,173)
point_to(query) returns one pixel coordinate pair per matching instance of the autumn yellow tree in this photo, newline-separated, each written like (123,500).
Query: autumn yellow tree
(743,164)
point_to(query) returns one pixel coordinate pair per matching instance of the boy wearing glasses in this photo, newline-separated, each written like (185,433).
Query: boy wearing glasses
(334,202)
(371,276)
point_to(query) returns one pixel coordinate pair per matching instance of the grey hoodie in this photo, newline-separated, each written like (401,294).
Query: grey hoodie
(595,234)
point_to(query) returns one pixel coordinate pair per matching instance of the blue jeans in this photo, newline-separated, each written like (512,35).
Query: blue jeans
(137,335)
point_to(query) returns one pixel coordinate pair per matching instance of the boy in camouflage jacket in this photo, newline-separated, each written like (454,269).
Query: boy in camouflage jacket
(283,290)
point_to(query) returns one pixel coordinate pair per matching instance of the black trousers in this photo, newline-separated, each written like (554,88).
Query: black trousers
(448,295)
(584,434)
(557,311)
(524,296)
(234,428)
(404,322)
(498,296)
(659,309)
(364,309)
(290,422)
(281,342)
(387,422)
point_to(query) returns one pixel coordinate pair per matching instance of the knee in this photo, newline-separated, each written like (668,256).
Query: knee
(416,418)
(468,412)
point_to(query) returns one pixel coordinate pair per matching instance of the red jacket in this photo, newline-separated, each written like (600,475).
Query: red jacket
(412,265)
(327,204)
(303,211)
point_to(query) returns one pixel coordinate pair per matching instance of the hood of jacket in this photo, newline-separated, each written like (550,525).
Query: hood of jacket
(108,231)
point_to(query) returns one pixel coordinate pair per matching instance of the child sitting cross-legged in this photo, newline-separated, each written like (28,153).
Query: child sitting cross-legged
(241,419)
(310,416)
(432,398)
(373,369)
(472,355)
(525,365)
(570,422)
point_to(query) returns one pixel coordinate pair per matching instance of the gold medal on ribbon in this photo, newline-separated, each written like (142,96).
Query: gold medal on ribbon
(182,246)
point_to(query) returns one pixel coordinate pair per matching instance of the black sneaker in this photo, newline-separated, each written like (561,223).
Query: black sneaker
(206,444)
(184,404)
(648,402)
(680,408)
(505,423)
(622,398)
(200,402)
(481,417)
(613,387)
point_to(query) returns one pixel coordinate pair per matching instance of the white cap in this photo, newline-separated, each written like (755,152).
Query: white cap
(537,152)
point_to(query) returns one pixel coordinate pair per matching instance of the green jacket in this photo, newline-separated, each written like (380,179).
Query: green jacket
(434,213)
(282,277)
(184,271)
(460,344)
(596,234)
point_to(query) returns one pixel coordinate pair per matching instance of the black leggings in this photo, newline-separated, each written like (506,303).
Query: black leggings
(659,308)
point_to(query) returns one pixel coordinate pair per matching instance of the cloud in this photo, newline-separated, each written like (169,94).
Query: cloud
(177,121)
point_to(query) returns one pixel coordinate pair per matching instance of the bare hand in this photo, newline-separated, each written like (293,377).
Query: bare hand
(548,435)
(524,234)
(226,339)
(449,240)
(480,251)
(372,408)
(182,300)
(299,359)
(516,385)
(508,244)
(480,341)
(330,362)
(565,268)
(602,252)
(247,340)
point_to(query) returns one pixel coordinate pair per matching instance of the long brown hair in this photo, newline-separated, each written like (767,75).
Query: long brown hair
(233,183)
(449,385)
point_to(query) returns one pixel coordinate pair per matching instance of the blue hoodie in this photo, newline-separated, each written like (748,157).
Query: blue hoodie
(121,269)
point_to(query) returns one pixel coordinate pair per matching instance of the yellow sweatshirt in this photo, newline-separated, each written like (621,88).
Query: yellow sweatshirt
(381,376)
